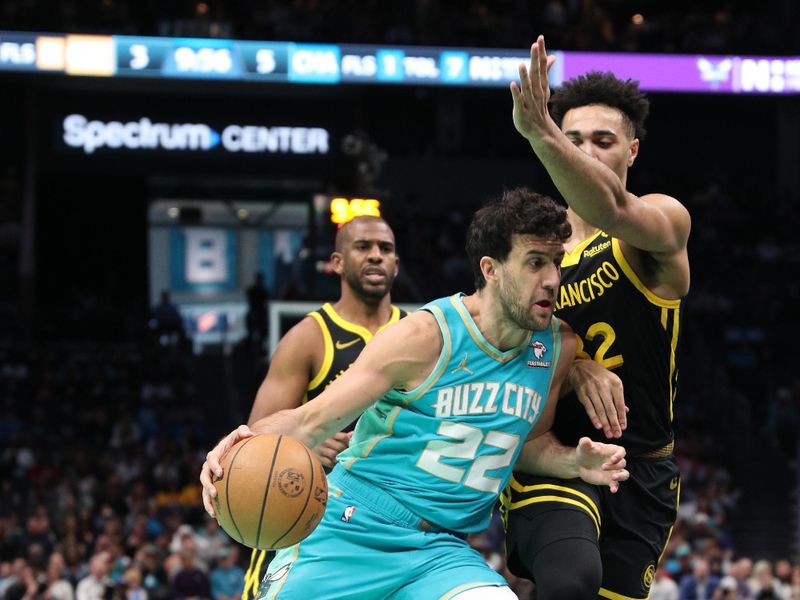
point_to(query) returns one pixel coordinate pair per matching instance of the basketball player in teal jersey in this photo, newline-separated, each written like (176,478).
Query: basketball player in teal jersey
(323,345)
(454,395)
(624,277)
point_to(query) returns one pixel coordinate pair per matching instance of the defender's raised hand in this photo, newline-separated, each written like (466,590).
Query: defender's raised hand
(531,117)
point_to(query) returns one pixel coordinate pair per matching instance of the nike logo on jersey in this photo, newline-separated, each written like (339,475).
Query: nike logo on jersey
(342,345)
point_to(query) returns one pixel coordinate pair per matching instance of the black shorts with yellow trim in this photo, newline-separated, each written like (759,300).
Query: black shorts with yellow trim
(256,569)
(630,528)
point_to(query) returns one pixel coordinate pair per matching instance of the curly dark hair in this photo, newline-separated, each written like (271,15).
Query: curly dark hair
(520,211)
(603,88)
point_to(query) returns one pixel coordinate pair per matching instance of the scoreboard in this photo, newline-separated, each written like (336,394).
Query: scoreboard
(288,62)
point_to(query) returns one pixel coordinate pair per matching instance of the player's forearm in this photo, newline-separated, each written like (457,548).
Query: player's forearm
(590,188)
(291,422)
(545,455)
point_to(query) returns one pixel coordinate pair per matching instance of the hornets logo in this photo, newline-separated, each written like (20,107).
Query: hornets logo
(648,576)
(272,578)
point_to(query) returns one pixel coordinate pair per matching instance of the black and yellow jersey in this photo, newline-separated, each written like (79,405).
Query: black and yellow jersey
(343,341)
(625,327)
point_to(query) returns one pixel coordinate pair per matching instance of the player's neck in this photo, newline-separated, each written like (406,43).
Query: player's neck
(581,230)
(355,310)
(487,313)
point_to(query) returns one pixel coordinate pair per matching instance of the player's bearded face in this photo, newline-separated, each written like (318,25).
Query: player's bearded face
(369,280)
(517,307)
(529,280)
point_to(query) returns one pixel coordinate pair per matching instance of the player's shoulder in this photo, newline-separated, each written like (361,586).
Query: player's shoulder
(302,337)
(569,342)
(418,332)
(418,323)
(668,204)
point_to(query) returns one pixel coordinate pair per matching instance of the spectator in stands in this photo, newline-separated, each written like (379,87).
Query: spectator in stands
(166,319)
(664,586)
(727,589)
(24,589)
(14,574)
(700,584)
(154,577)
(189,578)
(58,586)
(96,583)
(212,540)
(227,578)
(783,572)
(765,586)
(796,582)
(133,585)
(741,570)
(257,324)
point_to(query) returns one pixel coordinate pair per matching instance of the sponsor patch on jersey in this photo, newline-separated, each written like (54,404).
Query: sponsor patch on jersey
(539,350)
(589,252)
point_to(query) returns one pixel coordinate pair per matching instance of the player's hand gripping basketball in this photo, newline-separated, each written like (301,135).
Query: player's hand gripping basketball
(211,468)
(601,464)
(531,117)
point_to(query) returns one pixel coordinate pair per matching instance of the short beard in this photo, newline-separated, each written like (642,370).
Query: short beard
(369,296)
(509,300)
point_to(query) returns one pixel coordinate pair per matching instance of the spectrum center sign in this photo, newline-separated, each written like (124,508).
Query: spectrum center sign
(79,132)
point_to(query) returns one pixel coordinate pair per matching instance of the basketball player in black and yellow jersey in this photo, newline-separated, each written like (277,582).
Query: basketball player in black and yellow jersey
(320,347)
(624,278)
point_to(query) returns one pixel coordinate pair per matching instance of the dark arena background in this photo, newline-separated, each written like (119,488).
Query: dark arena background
(180,148)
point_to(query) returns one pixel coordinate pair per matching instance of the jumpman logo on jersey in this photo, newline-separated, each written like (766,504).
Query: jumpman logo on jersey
(462,366)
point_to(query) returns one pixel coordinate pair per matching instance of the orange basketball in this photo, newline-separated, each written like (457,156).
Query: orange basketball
(272,492)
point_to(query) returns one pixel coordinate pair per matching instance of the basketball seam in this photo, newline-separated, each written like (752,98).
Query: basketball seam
(266,489)
(227,494)
(308,498)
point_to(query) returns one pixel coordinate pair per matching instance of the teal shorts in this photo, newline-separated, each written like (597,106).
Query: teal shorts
(370,547)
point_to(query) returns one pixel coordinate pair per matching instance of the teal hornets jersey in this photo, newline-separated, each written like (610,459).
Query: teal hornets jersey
(446,448)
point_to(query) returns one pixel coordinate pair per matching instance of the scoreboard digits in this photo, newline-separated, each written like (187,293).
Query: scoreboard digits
(214,59)
(289,62)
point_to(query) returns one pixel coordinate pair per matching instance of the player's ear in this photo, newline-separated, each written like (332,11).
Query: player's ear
(633,152)
(396,265)
(488,268)
(337,262)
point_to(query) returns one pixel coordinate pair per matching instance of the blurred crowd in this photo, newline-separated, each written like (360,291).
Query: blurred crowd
(718,26)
